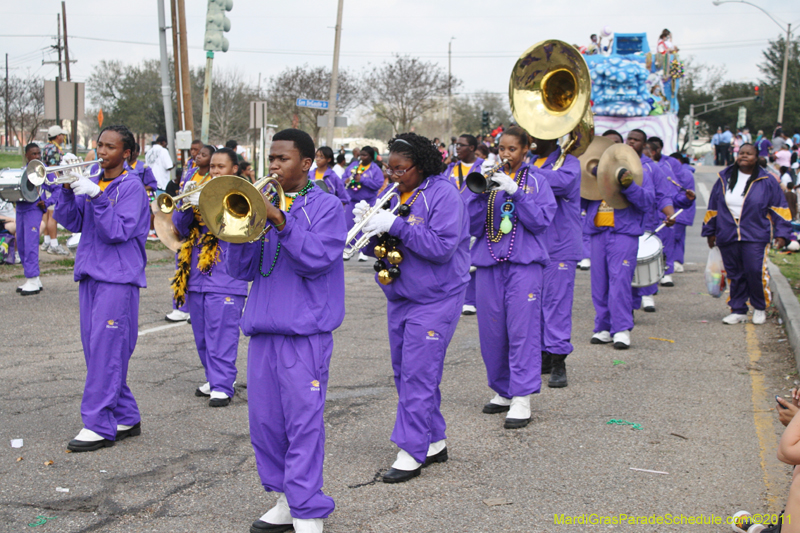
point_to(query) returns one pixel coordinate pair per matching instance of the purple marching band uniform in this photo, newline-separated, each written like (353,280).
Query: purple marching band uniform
(744,243)
(295,302)
(614,248)
(215,303)
(452,174)
(371,182)
(423,308)
(675,175)
(143,172)
(509,285)
(663,197)
(564,244)
(687,217)
(109,265)
(29,221)
(335,185)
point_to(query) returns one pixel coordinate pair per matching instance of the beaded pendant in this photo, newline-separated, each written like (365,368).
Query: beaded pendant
(507,209)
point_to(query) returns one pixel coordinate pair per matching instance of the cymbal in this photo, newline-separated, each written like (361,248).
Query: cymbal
(589,160)
(613,160)
(165,229)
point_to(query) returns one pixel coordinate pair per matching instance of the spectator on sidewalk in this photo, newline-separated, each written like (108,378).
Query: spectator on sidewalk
(159,160)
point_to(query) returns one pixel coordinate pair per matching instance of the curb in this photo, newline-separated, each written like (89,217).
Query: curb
(788,306)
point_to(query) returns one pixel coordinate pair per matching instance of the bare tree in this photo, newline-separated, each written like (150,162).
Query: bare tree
(25,107)
(402,91)
(468,111)
(231,95)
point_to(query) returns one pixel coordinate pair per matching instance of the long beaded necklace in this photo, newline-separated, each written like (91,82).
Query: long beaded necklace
(507,209)
(387,247)
(303,192)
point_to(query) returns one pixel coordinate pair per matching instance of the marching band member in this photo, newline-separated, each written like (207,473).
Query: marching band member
(216,299)
(363,182)
(564,242)
(510,224)
(136,168)
(429,240)
(458,171)
(615,243)
(191,164)
(746,210)
(113,215)
(637,139)
(687,217)
(296,301)
(29,221)
(325,172)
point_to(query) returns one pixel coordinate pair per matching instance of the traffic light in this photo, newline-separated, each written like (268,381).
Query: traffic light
(216,24)
(485,121)
(758,97)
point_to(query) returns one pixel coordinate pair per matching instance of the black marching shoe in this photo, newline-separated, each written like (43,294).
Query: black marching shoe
(77,446)
(134,431)
(398,476)
(547,362)
(493,409)
(558,377)
(259,526)
(440,457)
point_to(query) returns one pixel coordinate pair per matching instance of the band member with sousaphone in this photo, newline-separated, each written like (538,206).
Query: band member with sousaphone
(509,220)
(215,298)
(423,268)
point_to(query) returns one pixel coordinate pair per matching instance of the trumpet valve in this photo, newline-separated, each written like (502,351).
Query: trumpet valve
(394,257)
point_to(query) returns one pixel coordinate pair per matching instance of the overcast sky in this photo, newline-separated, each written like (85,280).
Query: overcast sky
(268,36)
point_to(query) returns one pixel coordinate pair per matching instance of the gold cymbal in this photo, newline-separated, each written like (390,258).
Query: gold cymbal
(589,160)
(612,162)
(165,230)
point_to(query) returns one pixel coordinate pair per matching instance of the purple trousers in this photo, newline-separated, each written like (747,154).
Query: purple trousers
(557,291)
(746,268)
(287,380)
(418,338)
(679,230)
(587,246)
(28,222)
(109,328)
(613,265)
(215,324)
(509,314)
(469,297)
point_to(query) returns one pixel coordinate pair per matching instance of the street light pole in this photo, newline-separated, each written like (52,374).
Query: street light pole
(334,80)
(449,89)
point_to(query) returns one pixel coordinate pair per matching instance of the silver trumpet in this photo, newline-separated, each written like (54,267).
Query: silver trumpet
(37,173)
(355,243)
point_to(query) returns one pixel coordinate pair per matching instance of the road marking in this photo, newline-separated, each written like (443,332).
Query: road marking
(162,328)
(703,190)
(774,471)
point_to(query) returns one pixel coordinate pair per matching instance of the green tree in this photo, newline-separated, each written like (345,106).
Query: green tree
(468,110)
(772,70)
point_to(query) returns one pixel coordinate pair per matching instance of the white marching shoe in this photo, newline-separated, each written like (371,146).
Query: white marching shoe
(648,304)
(468,309)
(734,318)
(678,267)
(622,340)
(177,316)
(666,281)
(585,264)
(602,337)
(519,415)
(31,286)
(362,257)
(759,317)
(280,514)
(307,525)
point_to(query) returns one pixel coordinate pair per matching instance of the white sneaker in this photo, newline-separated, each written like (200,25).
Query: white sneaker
(57,250)
(280,514)
(307,525)
(734,318)
(152,237)
(759,317)
(17,258)
(362,257)
(405,462)
(678,267)
(602,337)
(44,246)
(622,340)
(468,310)
(31,286)
(666,281)
(74,240)
(87,435)
(177,316)
(585,264)
(648,304)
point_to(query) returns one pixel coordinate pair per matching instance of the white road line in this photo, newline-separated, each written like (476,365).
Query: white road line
(703,190)
(162,328)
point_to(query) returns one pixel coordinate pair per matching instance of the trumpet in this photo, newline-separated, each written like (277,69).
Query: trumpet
(166,203)
(479,183)
(37,173)
(359,242)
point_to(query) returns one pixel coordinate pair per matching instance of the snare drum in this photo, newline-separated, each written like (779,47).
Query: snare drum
(649,261)
(15,187)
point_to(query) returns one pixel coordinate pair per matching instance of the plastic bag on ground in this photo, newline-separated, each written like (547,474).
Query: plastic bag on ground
(716,280)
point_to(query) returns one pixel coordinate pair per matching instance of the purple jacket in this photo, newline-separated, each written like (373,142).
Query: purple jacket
(371,182)
(765,213)
(476,167)
(564,235)
(535,207)
(687,180)
(217,281)
(334,183)
(304,295)
(434,242)
(663,192)
(628,221)
(143,173)
(113,227)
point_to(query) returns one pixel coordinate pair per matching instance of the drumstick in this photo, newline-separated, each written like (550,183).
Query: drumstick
(676,213)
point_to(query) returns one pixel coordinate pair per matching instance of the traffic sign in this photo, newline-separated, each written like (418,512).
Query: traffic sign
(314,104)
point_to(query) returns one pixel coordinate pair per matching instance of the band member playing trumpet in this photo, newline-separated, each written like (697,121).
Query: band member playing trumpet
(113,215)
(215,299)
(563,239)
(510,224)
(296,301)
(458,171)
(428,240)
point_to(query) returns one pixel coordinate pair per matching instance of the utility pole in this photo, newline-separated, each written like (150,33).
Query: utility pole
(186,85)
(449,91)
(176,61)
(66,46)
(786,50)
(59,47)
(6,121)
(166,93)
(74,134)
(334,79)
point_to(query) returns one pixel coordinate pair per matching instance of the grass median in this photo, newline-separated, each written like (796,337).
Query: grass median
(789,265)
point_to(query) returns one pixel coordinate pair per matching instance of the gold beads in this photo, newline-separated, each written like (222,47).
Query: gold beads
(380,251)
(394,257)
(384,278)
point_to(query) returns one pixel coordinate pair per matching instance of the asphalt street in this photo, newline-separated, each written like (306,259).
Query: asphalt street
(701,393)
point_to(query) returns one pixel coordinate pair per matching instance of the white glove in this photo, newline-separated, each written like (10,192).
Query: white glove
(70,159)
(380,223)
(193,199)
(505,183)
(487,165)
(359,210)
(85,186)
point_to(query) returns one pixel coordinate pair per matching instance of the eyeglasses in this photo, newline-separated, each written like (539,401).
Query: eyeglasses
(459,145)
(398,173)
